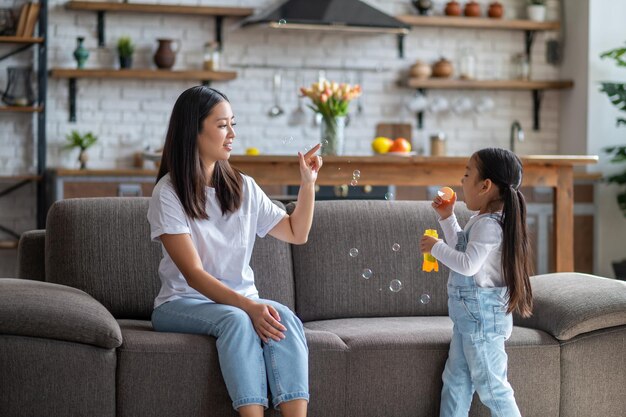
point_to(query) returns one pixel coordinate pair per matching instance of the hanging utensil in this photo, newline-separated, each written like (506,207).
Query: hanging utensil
(298,116)
(276,110)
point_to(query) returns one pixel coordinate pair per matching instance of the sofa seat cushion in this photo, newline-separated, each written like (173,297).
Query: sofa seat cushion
(401,359)
(151,366)
(583,303)
(52,311)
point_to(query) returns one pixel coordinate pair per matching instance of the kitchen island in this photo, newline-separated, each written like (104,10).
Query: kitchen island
(555,171)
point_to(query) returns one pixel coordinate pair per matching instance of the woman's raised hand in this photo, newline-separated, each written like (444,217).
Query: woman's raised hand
(266,321)
(310,164)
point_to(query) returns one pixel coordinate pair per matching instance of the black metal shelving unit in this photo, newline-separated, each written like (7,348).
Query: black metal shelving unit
(18,181)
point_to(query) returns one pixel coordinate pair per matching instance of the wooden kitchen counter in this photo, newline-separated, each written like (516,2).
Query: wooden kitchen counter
(555,171)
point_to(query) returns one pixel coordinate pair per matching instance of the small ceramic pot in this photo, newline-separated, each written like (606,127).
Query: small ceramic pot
(453,8)
(420,70)
(422,6)
(536,12)
(496,10)
(442,68)
(472,9)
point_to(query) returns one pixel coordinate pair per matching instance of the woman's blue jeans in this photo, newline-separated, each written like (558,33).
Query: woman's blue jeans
(247,363)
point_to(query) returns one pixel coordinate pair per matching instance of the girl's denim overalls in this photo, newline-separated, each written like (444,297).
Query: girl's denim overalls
(477,360)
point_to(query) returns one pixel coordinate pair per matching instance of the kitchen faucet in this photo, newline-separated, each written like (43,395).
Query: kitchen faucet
(517,133)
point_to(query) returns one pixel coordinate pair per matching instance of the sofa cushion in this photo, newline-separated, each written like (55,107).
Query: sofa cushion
(329,284)
(402,360)
(102,246)
(31,255)
(567,304)
(51,311)
(153,364)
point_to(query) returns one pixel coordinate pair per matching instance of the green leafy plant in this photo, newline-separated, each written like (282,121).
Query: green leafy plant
(616,93)
(537,2)
(125,46)
(81,141)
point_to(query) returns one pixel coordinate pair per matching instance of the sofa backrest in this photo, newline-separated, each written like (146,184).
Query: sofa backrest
(102,246)
(329,281)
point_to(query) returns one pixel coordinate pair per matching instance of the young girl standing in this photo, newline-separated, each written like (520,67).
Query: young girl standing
(489,265)
(206,215)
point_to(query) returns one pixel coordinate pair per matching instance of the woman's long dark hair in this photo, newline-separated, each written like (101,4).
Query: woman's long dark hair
(505,170)
(182,161)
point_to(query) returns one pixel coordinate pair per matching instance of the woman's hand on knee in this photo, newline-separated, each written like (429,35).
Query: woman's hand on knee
(266,321)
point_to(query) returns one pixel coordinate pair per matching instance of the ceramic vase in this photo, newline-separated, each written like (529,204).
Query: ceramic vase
(80,53)
(165,55)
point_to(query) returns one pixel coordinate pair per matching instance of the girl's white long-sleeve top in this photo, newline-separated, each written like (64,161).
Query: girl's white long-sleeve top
(482,258)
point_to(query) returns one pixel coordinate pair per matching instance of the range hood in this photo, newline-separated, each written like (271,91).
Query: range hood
(331,15)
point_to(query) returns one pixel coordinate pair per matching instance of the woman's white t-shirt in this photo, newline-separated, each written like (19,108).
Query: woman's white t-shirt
(224,243)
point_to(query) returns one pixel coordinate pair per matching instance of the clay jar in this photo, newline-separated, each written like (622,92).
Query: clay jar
(453,8)
(472,9)
(442,68)
(165,56)
(495,10)
(420,70)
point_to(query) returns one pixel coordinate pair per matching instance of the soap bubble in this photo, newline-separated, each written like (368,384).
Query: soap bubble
(354,252)
(425,298)
(288,141)
(354,183)
(325,142)
(389,196)
(366,273)
(356,174)
(395,247)
(395,285)
(282,22)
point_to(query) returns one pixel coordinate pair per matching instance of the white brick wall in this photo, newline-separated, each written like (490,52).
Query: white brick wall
(130,115)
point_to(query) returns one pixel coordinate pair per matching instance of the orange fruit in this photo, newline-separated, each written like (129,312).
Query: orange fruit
(400,145)
(446,193)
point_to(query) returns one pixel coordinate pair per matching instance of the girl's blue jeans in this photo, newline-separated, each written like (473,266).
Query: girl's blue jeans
(247,363)
(477,360)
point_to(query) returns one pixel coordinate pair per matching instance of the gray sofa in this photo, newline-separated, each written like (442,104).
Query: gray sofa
(76,339)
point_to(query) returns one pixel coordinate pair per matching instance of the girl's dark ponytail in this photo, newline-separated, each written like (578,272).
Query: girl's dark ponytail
(504,169)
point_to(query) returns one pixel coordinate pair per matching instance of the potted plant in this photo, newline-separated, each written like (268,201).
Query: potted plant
(536,10)
(616,92)
(83,142)
(125,49)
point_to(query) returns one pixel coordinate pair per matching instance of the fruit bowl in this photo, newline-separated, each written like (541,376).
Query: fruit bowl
(401,153)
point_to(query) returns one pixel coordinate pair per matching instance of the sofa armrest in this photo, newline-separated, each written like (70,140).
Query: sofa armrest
(568,304)
(52,311)
(31,255)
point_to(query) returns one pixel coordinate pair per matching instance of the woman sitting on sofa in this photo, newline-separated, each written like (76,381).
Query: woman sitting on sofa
(206,215)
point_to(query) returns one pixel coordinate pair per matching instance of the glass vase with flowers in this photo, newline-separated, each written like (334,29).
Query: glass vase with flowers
(331,101)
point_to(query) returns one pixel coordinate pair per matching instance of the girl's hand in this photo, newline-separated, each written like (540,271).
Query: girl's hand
(444,208)
(427,243)
(310,164)
(266,321)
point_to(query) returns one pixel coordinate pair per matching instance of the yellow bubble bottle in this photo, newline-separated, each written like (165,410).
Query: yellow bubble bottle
(430,264)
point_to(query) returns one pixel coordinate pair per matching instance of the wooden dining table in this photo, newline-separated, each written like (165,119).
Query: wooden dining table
(554,171)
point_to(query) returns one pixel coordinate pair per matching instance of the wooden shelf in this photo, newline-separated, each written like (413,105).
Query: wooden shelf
(20,39)
(457,84)
(159,8)
(145,74)
(8,244)
(21,109)
(134,74)
(27,177)
(477,23)
(536,87)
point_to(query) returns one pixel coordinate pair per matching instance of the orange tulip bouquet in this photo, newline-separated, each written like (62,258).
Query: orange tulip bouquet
(331,100)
